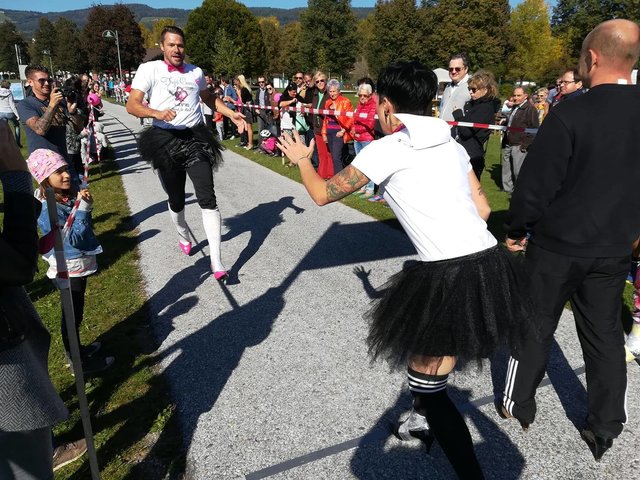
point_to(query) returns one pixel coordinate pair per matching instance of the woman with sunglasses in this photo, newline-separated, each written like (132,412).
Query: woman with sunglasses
(441,308)
(482,108)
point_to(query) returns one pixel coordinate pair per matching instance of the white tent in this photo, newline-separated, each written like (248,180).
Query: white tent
(442,74)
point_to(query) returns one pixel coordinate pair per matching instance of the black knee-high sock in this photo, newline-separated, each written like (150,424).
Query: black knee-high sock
(447,425)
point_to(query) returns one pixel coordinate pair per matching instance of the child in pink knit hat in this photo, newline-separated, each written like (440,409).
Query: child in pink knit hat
(80,243)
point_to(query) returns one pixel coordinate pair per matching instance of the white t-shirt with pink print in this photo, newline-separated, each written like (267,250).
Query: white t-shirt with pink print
(172,91)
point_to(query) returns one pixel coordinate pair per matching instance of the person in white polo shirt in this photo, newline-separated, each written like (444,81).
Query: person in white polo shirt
(179,144)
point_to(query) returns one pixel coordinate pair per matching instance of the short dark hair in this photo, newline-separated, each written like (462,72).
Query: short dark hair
(409,86)
(462,56)
(576,75)
(368,81)
(171,29)
(31,69)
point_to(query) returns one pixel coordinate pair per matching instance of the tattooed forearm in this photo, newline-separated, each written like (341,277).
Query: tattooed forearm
(345,182)
(41,125)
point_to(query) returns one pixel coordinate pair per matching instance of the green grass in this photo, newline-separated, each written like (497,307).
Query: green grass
(134,420)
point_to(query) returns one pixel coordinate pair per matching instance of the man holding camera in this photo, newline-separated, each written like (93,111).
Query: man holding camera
(45,114)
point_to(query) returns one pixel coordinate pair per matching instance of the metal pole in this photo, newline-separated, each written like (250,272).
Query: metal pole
(67,305)
(119,62)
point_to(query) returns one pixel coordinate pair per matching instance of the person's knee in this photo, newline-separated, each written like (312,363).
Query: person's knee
(208,203)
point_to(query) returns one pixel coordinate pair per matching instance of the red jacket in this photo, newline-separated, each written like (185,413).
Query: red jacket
(362,129)
(342,104)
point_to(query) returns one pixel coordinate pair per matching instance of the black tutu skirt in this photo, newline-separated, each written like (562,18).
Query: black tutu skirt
(465,307)
(179,149)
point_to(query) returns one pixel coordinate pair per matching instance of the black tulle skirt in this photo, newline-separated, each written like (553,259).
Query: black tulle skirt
(178,149)
(466,307)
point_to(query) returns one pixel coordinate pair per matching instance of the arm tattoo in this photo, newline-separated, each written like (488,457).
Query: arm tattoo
(480,192)
(41,125)
(345,182)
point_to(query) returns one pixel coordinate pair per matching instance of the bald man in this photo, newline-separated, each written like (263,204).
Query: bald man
(577,203)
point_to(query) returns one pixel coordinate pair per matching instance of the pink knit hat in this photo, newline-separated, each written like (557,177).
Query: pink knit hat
(43,162)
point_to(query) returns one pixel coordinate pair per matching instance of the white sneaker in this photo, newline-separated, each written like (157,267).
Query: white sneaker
(633,344)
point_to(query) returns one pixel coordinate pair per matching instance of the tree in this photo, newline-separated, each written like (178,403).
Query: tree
(477,27)
(396,34)
(102,53)
(292,49)
(535,49)
(572,20)
(147,36)
(227,59)
(69,54)
(43,41)
(9,37)
(329,38)
(240,26)
(272,38)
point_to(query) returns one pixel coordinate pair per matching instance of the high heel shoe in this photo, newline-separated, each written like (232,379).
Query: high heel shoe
(597,445)
(221,276)
(185,247)
(504,413)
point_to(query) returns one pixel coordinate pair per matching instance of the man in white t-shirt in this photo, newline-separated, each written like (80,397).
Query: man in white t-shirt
(178,143)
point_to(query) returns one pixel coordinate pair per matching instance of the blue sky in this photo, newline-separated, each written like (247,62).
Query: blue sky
(62,5)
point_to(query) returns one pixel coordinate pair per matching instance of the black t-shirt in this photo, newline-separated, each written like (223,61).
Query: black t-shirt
(55,138)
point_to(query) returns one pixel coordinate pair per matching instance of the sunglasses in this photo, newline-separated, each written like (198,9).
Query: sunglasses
(364,95)
(270,89)
(455,69)
(42,81)
(298,78)
(320,81)
(261,82)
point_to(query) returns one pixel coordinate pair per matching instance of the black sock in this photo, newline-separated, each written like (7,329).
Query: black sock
(447,425)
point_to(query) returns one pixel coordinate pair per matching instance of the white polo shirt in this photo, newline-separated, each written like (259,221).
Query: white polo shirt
(172,91)
(424,175)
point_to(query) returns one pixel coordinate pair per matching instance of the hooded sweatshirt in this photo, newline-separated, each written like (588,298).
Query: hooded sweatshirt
(425,177)
(7,105)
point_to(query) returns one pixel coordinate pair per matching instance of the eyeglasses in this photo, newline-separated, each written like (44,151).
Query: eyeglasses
(566,82)
(42,81)
(364,95)
(320,81)
(298,78)
(455,69)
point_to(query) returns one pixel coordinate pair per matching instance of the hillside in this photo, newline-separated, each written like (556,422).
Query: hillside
(27,21)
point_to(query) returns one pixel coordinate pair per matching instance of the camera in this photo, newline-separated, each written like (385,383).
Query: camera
(70,94)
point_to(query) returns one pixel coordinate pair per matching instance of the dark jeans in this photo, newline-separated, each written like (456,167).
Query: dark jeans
(173,182)
(78,288)
(339,151)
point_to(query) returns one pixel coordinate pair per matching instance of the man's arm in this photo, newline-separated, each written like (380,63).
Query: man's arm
(217,105)
(541,177)
(136,108)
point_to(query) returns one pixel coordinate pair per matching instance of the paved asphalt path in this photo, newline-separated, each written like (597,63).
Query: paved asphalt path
(270,372)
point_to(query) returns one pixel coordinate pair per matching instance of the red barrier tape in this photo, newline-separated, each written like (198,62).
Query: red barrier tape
(337,113)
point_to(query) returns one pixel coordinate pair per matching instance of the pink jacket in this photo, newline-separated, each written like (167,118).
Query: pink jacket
(363,127)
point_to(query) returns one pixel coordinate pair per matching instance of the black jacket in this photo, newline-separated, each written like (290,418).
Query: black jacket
(526,116)
(482,110)
(577,192)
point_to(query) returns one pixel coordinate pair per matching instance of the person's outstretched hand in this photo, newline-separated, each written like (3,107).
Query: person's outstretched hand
(294,148)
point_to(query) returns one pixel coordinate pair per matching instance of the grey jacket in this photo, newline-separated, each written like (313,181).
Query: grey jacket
(7,105)
(28,399)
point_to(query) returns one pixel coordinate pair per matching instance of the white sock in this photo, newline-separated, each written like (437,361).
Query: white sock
(211,221)
(181,225)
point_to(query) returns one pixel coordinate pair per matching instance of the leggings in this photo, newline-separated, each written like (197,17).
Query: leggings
(201,174)
(78,288)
